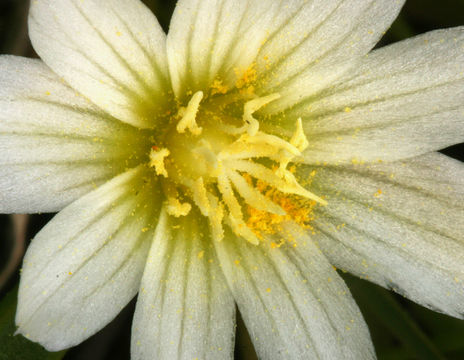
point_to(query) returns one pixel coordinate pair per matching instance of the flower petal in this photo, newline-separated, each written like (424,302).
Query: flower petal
(111,51)
(399,225)
(402,101)
(209,39)
(185,309)
(314,42)
(218,39)
(86,264)
(294,304)
(55,145)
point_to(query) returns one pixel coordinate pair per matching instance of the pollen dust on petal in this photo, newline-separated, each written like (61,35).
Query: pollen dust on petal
(245,79)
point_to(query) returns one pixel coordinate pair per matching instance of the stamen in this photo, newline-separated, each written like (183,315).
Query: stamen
(157,157)
(252,196)
(235,217)
(189,115)
(200,197)
(251,107)
(241,229)
(242,150)
(293,187)
(210,207)
(229,197)
(257,171)
(272,141)
(299,139)
(216,217)
(286,184)
(206,151)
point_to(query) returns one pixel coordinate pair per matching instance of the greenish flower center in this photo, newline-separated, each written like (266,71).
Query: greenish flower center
(213,160)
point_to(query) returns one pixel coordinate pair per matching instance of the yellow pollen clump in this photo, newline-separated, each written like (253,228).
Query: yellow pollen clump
(297,209)
(217,87)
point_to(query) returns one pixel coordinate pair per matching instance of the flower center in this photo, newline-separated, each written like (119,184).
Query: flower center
(219,164)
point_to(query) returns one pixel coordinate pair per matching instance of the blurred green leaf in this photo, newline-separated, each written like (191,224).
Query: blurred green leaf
(17,347)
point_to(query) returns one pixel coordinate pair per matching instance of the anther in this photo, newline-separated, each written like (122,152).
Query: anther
(157,157)
(189,114)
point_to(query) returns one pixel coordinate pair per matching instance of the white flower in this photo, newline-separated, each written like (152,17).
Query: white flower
(172,163)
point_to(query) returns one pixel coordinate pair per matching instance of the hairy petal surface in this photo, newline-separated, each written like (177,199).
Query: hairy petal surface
(185,309)
(402,101)
(55,145)
(314,42)
(294,304)
(398,225)
(111,51)
(86,264)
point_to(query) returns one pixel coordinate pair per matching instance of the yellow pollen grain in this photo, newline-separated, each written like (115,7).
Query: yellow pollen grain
(347,109)
(378,193)
(237,262)
(268,290)
(201,254)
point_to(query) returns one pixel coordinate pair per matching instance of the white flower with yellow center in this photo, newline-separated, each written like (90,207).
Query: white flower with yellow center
(236,160)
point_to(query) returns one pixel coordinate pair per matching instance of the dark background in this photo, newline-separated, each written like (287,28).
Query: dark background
(400,329)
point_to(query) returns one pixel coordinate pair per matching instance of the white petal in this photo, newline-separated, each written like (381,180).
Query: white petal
(55,145)
(112,51)
(294,304)
(399,225)
(314,42)
(86,264)
(185,309)
(210,39)
(402,101)
(218,39)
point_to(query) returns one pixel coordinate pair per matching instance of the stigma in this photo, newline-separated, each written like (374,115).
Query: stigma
(214,164)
